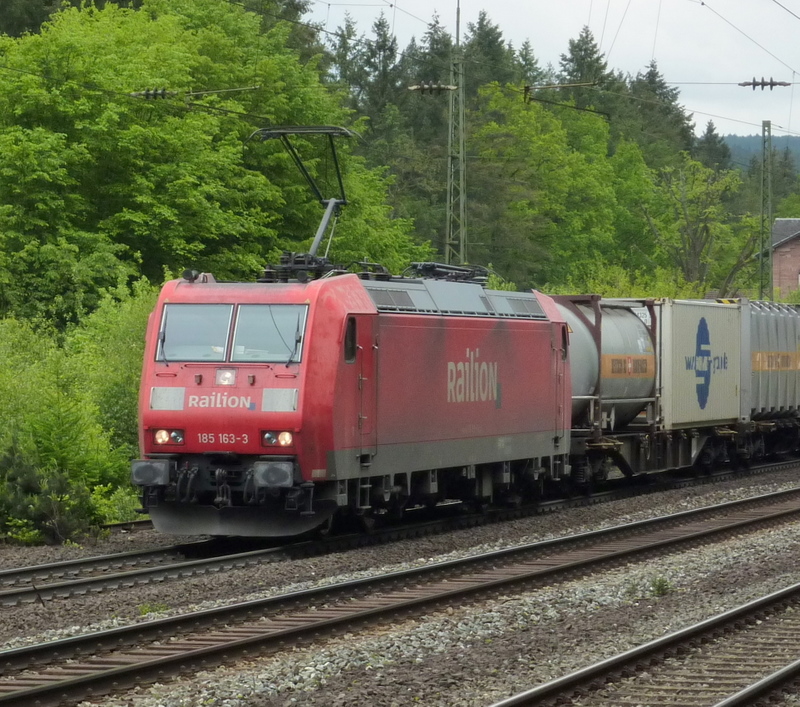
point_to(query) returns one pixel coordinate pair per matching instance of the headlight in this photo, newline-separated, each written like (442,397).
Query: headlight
(150,472)
(283,439)
(226,376)
(168,437)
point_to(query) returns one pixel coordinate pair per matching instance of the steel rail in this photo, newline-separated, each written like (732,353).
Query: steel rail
(97,563)
(128,525)
(39,589)
(561,689)
(34,590)
(764,687)
(143,575)
(127,668)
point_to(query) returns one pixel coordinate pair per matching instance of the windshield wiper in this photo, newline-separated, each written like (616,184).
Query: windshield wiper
(162,338)
(297,339)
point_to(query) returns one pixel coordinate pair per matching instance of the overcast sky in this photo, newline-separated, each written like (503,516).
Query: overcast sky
(702,48)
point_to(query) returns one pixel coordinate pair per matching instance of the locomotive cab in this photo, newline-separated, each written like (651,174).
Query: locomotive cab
(224,448)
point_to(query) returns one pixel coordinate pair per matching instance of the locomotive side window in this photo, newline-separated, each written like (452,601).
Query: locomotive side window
(269,333)
(194,332)
(350,341)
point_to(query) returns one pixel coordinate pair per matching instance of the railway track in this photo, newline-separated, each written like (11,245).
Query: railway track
(84,666)
(54,571)
(741,658)
(61,580)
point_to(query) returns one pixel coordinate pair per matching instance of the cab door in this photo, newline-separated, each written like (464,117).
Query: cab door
(560,353)
(367,362)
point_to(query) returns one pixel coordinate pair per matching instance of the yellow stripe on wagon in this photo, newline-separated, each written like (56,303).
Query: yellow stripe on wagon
(633,366)
(775,361)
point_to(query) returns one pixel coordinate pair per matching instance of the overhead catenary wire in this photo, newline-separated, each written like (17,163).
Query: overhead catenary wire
(619,27)
(474,62)
(671,83)
(655,33)
(364,42)
(744,34)
(605,22)
(787,9)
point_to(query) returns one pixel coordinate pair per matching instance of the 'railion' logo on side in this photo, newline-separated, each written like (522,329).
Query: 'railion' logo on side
(221,400)
(703,363)
(472,380)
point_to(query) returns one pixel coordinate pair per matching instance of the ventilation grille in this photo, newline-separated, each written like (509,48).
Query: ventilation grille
(524,306)
(392,299)
(432,297)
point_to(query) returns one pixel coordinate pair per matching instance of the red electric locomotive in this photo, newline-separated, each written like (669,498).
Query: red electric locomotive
(268,407)
(271,408)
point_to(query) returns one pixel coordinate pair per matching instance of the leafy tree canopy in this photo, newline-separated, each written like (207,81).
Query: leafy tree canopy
(97,185)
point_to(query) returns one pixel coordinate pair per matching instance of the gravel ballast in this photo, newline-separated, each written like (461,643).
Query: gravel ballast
(473,655)
(482,653)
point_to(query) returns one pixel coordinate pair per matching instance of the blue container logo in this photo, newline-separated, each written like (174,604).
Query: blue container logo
(703,363)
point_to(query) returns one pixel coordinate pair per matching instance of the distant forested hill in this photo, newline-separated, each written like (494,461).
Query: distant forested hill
(745,147)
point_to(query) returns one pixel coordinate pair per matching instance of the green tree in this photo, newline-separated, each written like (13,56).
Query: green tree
(427,116)
(610,280)
(711,150)
(52,265)
(527,65)
(53,450)
(784,175)
(657,122)
(105,354)
(348,71)
(585,64)
(538,204)
(635,194)
(695,232)
(21,346)
(21,16)
(98,186)
(487,56)
(384,83)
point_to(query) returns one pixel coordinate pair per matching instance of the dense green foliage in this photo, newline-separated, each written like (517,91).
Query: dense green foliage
(578,178)
(570,170)
(68,419)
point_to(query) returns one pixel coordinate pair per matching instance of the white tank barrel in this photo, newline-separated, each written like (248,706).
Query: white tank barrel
(612,359)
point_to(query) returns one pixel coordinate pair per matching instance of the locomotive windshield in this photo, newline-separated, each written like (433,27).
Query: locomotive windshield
(263,333)
(269,333)
(194,332)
